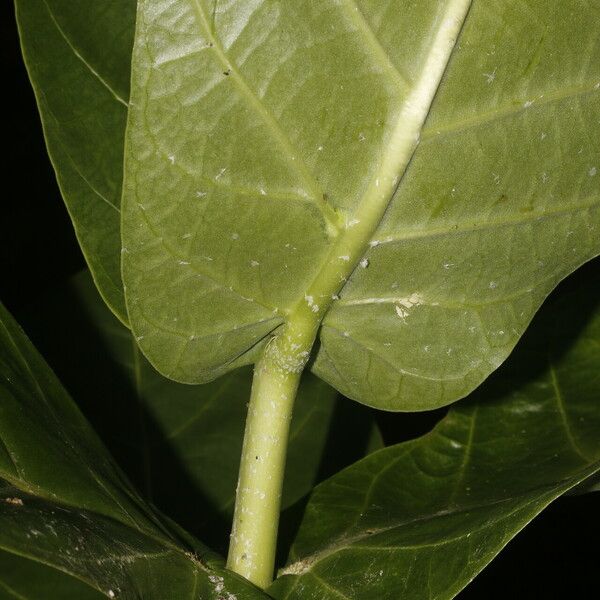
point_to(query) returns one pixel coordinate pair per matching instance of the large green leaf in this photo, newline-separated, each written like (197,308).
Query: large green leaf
(78,57)
(421,519)
(64,504)
(171,437)
(265,140)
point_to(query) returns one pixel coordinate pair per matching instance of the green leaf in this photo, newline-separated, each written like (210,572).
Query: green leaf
(78,57)
(22,579)
(266,140)
(65,504)
(171,437)
(422,518)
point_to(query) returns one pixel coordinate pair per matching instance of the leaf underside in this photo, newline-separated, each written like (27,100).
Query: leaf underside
(170,437)
(423,518)
(254,133)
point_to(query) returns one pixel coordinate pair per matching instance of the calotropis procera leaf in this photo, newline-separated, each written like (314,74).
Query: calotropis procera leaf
(169,436)
(265,140)
(78,57)
(64,503)
(421,519)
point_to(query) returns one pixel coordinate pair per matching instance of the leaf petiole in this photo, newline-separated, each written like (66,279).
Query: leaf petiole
(258,496)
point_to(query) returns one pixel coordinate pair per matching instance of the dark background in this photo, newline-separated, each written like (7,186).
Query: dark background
(555,557)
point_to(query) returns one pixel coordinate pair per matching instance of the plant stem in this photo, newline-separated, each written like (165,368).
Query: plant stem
(258,497)
(277,374)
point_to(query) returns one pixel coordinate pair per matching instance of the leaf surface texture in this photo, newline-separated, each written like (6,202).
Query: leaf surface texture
(421,519)
(264,137)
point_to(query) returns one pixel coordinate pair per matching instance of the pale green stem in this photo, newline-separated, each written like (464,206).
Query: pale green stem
(258,499)
(277,374)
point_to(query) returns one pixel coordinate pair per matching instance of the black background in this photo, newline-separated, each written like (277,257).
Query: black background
(555,557)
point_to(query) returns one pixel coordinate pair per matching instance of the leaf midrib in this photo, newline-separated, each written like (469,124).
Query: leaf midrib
(402,141)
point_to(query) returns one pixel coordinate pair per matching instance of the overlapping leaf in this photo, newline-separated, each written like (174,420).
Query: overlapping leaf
(258,131)
(78,56)
(171,437)
(64,503)
(421,519)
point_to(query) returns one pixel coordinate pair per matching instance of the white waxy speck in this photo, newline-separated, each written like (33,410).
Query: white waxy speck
(262,192)
(345,258)
(401,312)
(139,338)
(218,582)
(489,77)
(528,104)
(592,172)
(545,177)
(496,178)
(361,137)
(111,594)
(220,173)
(320,148)
(235,236)
(353,222)
(374,243)
(200,194)
(414,299)
(254,263)
(335,297)
(172,159)
(377,182)
(364,263)
(311,302)
(543,136)
(184,262)
(493,285)
(597,86)
(186,236)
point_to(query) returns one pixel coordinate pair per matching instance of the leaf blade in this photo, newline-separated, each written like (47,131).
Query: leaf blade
(425,516)
(78,60)
(65,504)
(245,242)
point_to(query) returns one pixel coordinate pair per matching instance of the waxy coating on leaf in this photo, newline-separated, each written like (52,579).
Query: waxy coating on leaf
(259,133)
